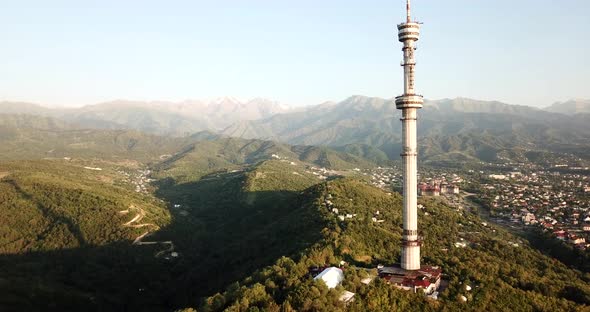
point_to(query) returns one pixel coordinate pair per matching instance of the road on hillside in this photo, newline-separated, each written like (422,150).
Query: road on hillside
(139,239)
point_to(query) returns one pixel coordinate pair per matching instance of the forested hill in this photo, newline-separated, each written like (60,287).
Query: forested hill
(75,233)
(216,153)
(67,233)
(55,205)
(504,273)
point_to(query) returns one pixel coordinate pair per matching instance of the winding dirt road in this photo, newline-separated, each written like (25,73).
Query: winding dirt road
(139,239)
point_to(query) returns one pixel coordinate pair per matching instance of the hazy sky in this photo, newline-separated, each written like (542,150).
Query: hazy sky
(531,52)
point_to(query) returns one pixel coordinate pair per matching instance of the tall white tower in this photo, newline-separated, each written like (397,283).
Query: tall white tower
(409,102)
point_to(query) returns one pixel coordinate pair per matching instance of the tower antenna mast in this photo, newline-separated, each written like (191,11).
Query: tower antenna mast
(409,102)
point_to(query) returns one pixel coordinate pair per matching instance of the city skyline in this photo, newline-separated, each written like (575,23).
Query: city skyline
(296,53)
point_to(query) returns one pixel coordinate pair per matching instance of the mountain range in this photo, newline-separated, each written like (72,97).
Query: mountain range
(36,137)
(458,129)
(160,117)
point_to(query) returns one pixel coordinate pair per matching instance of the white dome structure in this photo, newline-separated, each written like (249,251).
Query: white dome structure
(332,276)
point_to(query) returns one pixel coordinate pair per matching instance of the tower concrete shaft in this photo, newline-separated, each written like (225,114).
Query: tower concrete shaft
(409,103)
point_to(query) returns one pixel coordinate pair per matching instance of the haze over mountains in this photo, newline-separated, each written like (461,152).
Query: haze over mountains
(166,118)
(570,107)
(450,129)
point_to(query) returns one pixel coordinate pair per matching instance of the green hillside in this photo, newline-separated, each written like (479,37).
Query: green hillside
(48,205)
(227,225)
(503,276)
(66,235)
(218,153)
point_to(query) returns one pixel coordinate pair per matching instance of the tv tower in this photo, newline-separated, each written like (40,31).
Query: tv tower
(409,102)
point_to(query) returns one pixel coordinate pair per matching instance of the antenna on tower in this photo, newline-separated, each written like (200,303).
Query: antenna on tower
(408,10)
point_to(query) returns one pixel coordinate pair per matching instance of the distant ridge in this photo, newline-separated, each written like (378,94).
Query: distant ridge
(571,107)
(459,128)
(157,117)
(37,137)
(464,129)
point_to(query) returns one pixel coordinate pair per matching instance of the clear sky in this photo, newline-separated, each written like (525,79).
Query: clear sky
(299,52)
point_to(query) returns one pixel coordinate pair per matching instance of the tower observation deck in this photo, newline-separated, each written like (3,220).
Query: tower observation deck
(409,102)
